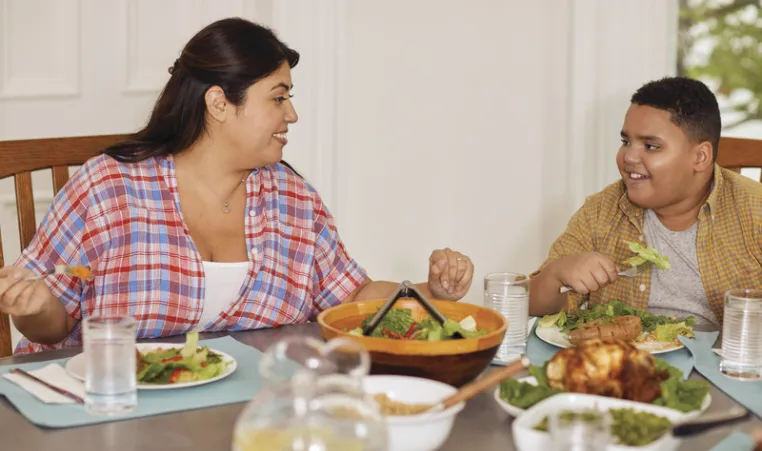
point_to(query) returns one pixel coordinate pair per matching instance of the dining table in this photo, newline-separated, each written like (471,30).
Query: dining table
(482,425)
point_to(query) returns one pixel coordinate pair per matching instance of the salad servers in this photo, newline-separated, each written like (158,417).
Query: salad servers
(406,290)
(709,422)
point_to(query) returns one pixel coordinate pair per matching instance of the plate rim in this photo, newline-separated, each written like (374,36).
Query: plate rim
(516,411)
(231,368)
(563,346)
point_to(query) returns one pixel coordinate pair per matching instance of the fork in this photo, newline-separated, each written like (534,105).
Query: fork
(629,272)
(58,270)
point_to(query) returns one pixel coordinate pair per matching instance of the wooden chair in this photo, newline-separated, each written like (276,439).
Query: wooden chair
(19,159)
(738,153)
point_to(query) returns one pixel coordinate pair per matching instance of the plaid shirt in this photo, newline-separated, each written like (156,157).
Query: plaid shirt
(727,243)
(123,221)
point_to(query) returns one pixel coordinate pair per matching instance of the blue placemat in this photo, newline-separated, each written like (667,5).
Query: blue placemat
(540,352)
(735,442)
(748,394)
(238,387)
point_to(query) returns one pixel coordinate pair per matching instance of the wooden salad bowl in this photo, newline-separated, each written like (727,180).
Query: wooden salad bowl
(455,362)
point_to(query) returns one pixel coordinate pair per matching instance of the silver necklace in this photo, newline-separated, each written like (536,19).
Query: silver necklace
(226,205)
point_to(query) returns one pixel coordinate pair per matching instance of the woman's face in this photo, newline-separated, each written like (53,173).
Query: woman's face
(257,129)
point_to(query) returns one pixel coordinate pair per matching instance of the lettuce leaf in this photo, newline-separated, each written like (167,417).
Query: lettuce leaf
(668,332)
(685,396)
(645,254)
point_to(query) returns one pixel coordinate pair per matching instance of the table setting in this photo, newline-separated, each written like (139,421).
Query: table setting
(188,407)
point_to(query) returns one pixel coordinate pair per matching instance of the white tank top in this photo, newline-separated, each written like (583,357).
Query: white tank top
(223,283)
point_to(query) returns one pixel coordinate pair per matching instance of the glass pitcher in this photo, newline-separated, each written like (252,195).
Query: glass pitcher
(313,400)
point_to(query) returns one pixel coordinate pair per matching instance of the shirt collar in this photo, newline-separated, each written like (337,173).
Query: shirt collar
(710,205)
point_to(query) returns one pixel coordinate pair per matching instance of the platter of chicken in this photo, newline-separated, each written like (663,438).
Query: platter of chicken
(606,368)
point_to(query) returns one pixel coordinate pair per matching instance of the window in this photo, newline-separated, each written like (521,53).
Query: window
(720,43)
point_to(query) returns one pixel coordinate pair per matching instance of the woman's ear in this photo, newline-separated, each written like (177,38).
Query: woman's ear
(216,103)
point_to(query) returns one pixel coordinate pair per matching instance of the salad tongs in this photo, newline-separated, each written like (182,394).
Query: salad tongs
(406,290)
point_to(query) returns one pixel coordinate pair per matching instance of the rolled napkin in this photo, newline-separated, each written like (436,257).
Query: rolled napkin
(53,374)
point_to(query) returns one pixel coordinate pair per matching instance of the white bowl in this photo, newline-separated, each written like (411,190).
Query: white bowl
(516,411)
(424,432)
(528,439)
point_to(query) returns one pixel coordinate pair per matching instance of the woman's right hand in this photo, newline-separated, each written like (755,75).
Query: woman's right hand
(19,297)
(586,272)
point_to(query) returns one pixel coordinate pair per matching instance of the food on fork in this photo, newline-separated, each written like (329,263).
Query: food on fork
(628,327)
(83,272)
(647,254)
(612,368)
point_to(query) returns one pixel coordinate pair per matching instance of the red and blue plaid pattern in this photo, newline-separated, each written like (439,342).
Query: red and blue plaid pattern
(123,220)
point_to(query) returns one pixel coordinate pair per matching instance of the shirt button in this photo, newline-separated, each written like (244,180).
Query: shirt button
(642,287)
(252,213)
(254,251)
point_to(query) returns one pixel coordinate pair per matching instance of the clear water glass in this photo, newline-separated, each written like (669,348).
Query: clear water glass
(508,294)
(110,376)
(580,430)
(742,335)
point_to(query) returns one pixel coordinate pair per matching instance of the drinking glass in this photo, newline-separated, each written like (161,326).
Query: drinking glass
(109,350)
(742,335)
(580,430)
(508,294)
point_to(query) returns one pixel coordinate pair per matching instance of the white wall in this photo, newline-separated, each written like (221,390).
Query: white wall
(479,125)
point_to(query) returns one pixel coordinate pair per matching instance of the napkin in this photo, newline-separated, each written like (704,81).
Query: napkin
(54,374)
(746,393)
(736,441)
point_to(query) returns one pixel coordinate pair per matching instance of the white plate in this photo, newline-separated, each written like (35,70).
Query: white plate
(516,411)
(527,439)
(75,367)
(554,336)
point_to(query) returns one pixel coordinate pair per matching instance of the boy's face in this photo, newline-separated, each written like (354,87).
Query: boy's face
(657,160)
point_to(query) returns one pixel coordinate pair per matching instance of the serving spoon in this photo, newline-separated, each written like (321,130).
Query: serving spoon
(472,389)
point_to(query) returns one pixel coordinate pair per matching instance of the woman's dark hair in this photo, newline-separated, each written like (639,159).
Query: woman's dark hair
(230,53)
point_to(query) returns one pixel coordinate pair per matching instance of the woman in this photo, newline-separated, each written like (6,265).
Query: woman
(194,222)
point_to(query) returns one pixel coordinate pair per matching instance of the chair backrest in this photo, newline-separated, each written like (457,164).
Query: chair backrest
(18,159)
(738,153)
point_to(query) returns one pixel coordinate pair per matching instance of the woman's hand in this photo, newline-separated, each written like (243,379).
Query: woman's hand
(19,297)
(450,274)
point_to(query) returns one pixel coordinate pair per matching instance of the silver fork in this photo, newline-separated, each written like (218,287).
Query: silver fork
(633,271)
(57,270)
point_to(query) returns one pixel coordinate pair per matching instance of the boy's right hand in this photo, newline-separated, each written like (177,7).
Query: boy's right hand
(586,272)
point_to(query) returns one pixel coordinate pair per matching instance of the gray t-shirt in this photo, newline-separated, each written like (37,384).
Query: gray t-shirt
(679,290)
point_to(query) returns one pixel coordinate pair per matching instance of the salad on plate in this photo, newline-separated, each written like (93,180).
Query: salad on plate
(177,365)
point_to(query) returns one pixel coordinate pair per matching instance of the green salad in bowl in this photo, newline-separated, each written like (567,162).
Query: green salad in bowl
(399,324)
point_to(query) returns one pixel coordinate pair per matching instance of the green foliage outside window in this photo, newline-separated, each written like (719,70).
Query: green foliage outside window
(720,42)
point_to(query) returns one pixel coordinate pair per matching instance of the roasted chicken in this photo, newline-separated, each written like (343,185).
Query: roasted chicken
(625,328)
(612,368)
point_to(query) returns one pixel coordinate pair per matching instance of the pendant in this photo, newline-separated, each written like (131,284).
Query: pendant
(226,207)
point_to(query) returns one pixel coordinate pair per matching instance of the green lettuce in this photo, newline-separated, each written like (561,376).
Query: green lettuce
(645,254)
(668,332)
